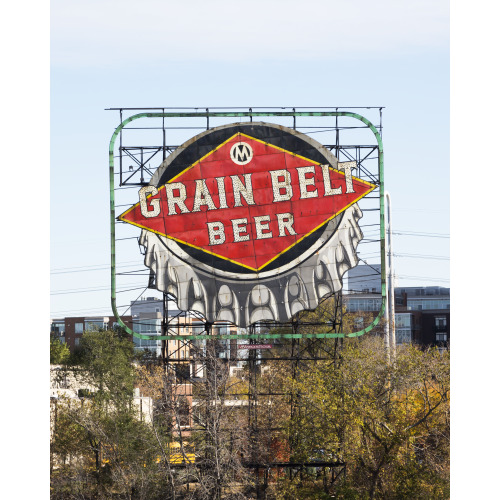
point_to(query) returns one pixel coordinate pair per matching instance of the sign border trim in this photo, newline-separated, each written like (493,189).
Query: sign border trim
(248,114)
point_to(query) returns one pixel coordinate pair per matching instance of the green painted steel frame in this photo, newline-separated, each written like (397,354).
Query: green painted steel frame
(247,114)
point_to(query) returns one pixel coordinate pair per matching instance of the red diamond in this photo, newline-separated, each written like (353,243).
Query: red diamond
(248,234)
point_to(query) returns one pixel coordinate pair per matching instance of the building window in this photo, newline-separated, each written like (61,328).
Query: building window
(440,322)
(403,335)
(77,341)
(419,304)
(441,337)
(93,325)
(364,304)
(78,327)
(57,328)
(403,320)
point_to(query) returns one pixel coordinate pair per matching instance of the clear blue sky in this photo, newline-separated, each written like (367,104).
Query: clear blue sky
(281,53)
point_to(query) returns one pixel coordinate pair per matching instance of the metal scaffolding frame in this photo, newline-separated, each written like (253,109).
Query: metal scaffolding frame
(297,354)
(297,349)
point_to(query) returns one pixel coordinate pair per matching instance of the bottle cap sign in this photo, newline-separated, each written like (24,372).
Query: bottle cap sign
(244,203)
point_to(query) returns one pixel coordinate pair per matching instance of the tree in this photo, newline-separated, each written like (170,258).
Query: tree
(59,352)
(221,436)
(199,419)
(99,447)
(388,423)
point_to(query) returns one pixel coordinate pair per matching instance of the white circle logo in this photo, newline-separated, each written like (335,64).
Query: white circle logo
(241,153)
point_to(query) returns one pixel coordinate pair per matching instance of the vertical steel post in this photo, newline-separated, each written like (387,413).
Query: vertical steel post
(390,310)
(387,330)
(164,331)
(337,135)
(164,155)
(121,155)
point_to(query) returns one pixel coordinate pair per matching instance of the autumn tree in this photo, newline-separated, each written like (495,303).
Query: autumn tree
(59,352)
(200,426)
(99,446)
(220,431)
(388,423)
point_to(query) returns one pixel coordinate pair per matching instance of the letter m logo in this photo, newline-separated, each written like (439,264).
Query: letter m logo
(241,153)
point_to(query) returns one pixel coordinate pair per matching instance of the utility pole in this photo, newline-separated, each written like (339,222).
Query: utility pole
(390,326)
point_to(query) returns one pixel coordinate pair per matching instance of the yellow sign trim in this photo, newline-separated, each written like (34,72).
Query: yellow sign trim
(373,186)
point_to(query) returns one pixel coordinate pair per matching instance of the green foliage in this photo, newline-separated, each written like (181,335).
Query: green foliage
(76,357)
(99,446)
(59,352)
(389,424)
(106,364)
(146,357)
(300,489)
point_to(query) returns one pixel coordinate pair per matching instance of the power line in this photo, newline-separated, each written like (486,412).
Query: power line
(90,289)
(87,310)
(408,233)
(419,256)
(426,235)
(89,267)
(427,278)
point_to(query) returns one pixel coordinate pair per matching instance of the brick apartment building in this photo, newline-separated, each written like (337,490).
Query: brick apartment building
(422,314)
(70,329)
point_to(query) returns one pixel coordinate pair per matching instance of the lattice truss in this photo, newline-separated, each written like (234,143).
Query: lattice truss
(142,145)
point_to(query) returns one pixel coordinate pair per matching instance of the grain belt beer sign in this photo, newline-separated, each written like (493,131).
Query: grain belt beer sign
(250,222)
